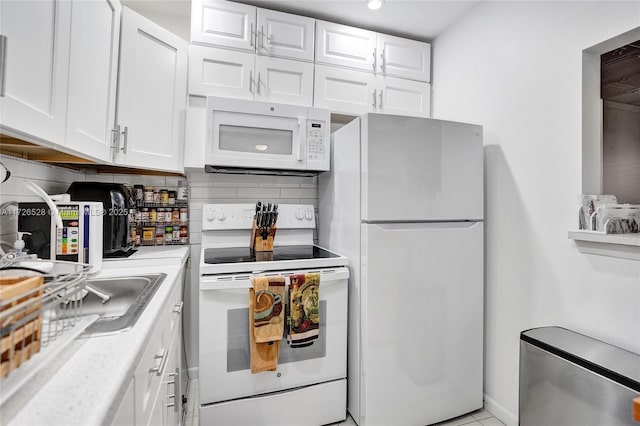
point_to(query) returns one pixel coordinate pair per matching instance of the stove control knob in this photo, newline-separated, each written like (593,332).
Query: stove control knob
(211,215)
(308,215)
(222,216)
(299,214)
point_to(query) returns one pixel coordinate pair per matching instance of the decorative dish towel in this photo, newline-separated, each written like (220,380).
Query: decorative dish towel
(304,318)
(266,322)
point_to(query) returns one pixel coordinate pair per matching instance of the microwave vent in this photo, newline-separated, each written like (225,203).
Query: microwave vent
(270,172)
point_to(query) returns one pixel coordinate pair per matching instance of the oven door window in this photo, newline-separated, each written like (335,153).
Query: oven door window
(239,356)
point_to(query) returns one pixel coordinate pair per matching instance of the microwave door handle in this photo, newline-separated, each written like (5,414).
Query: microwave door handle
(302,142)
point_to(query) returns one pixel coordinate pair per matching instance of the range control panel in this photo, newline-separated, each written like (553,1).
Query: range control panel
(240,216)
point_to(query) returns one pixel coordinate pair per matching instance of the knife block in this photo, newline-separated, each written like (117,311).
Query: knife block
(259,244)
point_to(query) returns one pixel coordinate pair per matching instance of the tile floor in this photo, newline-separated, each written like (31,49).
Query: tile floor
(477,418)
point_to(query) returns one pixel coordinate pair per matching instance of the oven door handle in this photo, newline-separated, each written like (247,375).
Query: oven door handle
(211,283)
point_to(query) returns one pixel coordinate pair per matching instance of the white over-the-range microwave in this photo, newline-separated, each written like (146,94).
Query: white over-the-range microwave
(262,135)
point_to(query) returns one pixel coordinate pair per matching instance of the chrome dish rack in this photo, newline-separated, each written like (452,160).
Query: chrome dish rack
(40,314)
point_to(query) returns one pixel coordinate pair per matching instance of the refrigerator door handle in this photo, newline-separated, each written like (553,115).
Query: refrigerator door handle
(414,226)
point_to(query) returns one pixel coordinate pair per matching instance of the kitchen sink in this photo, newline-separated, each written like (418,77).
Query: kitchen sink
(118,301)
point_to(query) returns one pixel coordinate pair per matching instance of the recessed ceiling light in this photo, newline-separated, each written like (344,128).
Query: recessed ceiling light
(262,147)
(374,4)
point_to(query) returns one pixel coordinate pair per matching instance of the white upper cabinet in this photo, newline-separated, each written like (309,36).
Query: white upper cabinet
(357,92)
(228,73)
(285,35)
(404,58)
(152,93)
(221,72)
(222,23)
(284,81)
(379,53)
(93,68)
(345,91)
(345,46)
(36,68)
(403,97)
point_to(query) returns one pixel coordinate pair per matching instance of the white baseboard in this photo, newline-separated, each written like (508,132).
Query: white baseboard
(501,413)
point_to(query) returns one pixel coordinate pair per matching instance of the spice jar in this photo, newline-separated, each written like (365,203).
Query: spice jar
(164,196)
(138,193)
(153,214)
(148,232)
(148,194)
(172,198)
(176,234)
(168,234)
(159,236)
(156,195)
(183,191)
(175,215)
(144,215)
(183,234)
(184,214)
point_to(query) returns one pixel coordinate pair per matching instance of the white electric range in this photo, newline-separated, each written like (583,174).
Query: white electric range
(309,385)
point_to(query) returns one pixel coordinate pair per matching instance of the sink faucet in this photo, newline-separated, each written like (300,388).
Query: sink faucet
(103,296)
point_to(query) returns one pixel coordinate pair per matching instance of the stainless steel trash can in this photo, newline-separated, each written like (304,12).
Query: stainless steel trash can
(569,379)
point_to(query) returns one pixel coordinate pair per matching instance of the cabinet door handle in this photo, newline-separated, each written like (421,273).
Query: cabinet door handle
(382,64)
(124,142)
(178,307)
(251,36)
(163,360)
(375,59)
(261,36)
(380,105)
(250,81)
(115,140)
(374,100)
(3,63)
(258,84)
(176,390)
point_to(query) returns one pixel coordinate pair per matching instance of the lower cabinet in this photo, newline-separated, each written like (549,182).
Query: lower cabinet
(358,92)
(153,396)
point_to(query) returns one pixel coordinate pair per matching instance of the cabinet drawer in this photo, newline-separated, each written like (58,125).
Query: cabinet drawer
(148,375)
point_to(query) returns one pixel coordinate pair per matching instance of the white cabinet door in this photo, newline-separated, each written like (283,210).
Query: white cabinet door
(284,81)
(404,58)
(36,68)
(346,46)
(223,23)
(93,67)
(220,72)
(152,95)
(172,396)
(285,35)
(345,91)
(403,97)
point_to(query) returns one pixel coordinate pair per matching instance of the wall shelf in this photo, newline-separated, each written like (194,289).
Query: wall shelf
(624,246)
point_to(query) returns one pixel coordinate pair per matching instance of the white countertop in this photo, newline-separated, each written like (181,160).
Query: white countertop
(87,388)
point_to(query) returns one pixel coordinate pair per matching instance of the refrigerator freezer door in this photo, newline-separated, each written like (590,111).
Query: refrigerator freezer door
(419,169)
(421,323)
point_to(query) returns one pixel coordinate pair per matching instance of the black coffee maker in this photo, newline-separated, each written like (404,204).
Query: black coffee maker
(118,207)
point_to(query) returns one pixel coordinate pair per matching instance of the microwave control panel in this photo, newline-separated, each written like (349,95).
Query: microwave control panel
(315,140)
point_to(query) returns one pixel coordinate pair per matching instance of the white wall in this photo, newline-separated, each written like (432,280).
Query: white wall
(515,68)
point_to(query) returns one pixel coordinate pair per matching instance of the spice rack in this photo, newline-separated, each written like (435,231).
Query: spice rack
(161,216)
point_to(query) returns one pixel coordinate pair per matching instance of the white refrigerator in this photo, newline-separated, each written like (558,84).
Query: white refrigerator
(404,201)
